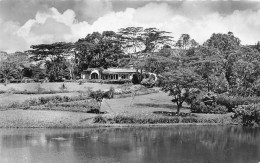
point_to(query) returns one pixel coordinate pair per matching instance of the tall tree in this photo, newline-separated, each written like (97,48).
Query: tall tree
(54,57)
(206,62)
(131,39)
(225,44)
(98,50)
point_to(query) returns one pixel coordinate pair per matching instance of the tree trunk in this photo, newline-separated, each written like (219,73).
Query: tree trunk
(179,105)
(6,81)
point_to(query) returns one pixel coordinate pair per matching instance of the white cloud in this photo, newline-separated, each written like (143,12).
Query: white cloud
(9,40)
(52,26)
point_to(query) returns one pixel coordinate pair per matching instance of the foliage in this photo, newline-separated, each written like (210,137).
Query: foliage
(149,82)
(137,39)
(185,41)
(46,100)
(249,114)
(132,119)
(170,113)
(99,119)
(206,103)
(231,102)
(53,56)
(100,95)
(181,84)
(11,66)
(98,50)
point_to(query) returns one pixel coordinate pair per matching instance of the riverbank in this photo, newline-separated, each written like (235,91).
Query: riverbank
(64,119)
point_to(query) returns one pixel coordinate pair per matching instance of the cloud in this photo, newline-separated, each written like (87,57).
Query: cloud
(90,10)
(50,25)
(9,40)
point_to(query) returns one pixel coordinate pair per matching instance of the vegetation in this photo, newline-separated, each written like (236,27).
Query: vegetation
(218,76)
(249,115)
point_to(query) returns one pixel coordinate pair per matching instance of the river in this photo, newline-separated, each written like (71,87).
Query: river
(180,144)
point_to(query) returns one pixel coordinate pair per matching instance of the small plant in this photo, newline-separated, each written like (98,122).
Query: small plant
(63,87)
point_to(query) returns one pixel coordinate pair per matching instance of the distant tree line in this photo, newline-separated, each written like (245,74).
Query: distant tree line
(220,64)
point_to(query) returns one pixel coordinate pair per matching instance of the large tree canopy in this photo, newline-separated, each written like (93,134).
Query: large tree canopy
(98,50)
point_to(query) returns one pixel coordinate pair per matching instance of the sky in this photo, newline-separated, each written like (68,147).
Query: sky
(29,22)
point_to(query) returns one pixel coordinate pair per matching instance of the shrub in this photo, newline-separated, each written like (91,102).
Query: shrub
(97,95)
(189,120)
(248,114)
(232,102)
(149,83)
(206,103)
(130,119)
(99,119)
(63,87)
(170,113)
(109,94)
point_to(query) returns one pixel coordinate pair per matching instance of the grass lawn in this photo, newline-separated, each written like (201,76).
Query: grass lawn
(141,106)
(71,86)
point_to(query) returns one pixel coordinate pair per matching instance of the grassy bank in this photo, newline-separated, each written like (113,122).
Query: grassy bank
(63,119)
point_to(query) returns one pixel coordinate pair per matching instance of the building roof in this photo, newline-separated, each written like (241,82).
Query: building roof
(121,70)
(112,70)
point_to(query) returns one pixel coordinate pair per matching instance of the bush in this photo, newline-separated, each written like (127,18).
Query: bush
(200,107)
(170,113)
(189,120)
(99,119)
(248,114)
(130,119)
(109,94)
(206,103)
(232,102)
(149,83)
(99,95)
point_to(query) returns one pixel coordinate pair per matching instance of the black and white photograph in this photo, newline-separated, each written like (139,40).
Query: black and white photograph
(129,81)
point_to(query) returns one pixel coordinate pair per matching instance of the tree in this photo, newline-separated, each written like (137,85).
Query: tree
(138,40)
(154,39)
(245,68)
(181,83)
(54,57)
(10,65)
(98,50)
(206,62)
(225,44)
(131,39)
(186,42)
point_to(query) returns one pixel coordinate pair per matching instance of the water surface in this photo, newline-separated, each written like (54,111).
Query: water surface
(196,144)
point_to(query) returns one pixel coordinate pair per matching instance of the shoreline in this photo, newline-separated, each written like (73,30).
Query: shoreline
(161,125)
(65,119)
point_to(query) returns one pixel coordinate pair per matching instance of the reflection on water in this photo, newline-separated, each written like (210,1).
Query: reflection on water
(175,144)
